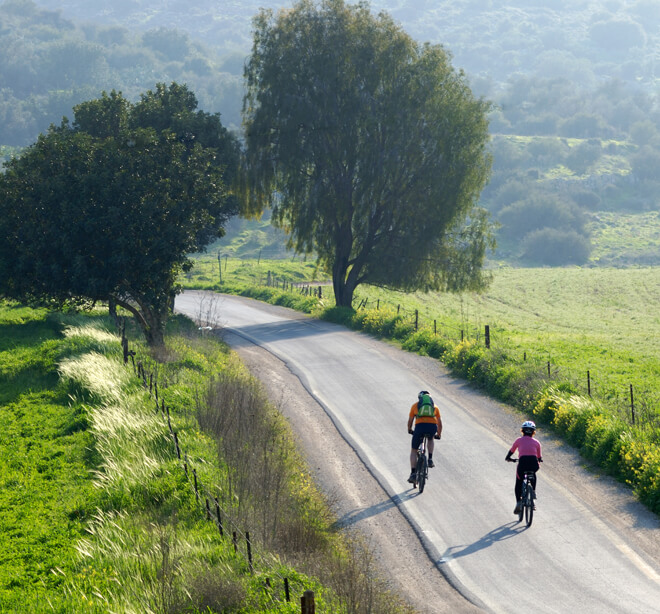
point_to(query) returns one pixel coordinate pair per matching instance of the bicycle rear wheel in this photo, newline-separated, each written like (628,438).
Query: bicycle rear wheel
(529,506)
(422,472)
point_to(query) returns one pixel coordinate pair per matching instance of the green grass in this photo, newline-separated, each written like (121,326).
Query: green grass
(99,514)
(249,271)
(621,239)
(601,320)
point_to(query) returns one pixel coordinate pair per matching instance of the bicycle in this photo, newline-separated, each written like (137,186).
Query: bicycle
(422,472)
(527,506)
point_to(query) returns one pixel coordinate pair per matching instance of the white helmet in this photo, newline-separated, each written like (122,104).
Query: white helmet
(528,427)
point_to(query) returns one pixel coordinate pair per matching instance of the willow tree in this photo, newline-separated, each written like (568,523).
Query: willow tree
(369,147)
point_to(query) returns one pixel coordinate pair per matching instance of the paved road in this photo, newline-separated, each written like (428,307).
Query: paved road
(579,553)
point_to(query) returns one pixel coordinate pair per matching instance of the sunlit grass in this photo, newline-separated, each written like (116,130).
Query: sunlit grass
(102,377)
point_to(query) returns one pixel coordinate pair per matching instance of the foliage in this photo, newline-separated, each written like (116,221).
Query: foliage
(50,64)
(553,247)
(391,140)
(109,208)
(568,97)
(99,514)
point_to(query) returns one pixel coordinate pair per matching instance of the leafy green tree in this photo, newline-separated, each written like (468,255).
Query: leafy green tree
(540,210)
(370,148)
(553,247)
(108,208)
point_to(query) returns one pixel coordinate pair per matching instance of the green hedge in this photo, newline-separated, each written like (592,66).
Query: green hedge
(631,456)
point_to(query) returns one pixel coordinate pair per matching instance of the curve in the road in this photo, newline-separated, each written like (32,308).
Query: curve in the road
(570,557)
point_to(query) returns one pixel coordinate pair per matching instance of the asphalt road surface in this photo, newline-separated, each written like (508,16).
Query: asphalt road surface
(457,547)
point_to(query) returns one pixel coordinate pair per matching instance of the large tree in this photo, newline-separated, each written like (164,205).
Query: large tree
(107,209)
(369,147)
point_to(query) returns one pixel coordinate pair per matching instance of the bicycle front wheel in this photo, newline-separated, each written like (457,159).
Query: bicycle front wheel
(529,506)
(422,472)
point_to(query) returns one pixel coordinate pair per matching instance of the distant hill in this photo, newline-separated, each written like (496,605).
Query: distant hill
(576,129)
(582,40)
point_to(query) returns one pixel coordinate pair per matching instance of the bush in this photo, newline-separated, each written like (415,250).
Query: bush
(553,247)
(339,315)
(539,211)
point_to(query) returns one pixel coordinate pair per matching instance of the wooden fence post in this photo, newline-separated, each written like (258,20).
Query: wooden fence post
(487,336)
(176,445)
(588,382)
(307,605)
(287,595)
(249,550)
(632,404)
(416,320)
(219,519)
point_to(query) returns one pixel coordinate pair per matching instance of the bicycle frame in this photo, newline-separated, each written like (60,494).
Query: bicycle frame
(422,463)
(527,501)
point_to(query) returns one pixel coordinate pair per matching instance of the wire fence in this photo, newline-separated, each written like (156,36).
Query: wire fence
(632,404)
(277,587)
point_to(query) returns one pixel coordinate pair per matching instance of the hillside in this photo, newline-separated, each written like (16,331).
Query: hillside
(576,123)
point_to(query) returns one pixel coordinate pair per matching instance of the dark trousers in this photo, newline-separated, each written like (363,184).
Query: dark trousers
(525,463)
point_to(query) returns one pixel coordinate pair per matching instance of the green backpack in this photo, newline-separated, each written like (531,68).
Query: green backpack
(425,406)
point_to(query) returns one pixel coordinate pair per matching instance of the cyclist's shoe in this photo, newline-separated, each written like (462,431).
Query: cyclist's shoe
(518,507)
(413,476)
(431,463)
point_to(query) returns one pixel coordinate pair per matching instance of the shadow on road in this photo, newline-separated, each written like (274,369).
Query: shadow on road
(506,531)
(359,514)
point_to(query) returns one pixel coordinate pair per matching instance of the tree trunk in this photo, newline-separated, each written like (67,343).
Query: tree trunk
(343,291)
(150,319)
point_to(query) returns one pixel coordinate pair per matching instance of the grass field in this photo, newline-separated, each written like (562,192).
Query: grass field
(604,321)
(101,512)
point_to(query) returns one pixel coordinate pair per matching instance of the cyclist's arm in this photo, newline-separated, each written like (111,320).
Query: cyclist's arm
(438,419)
(411,417)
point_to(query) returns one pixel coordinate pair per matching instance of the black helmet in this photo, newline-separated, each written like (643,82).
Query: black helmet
(422,393)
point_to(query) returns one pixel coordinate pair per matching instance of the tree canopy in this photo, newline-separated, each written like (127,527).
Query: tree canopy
(369,147)
(107,209)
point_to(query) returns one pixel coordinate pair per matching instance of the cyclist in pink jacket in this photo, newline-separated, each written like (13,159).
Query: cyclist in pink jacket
(529,457)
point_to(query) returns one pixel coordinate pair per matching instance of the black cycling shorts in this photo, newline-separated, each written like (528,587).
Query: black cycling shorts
(424,428)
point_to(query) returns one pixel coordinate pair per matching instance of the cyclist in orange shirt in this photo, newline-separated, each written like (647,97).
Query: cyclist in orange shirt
(426,415)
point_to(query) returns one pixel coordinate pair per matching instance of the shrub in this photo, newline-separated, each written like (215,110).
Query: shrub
(553,247)
(603,441)
(462,357)
(338,315)
(379,322)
